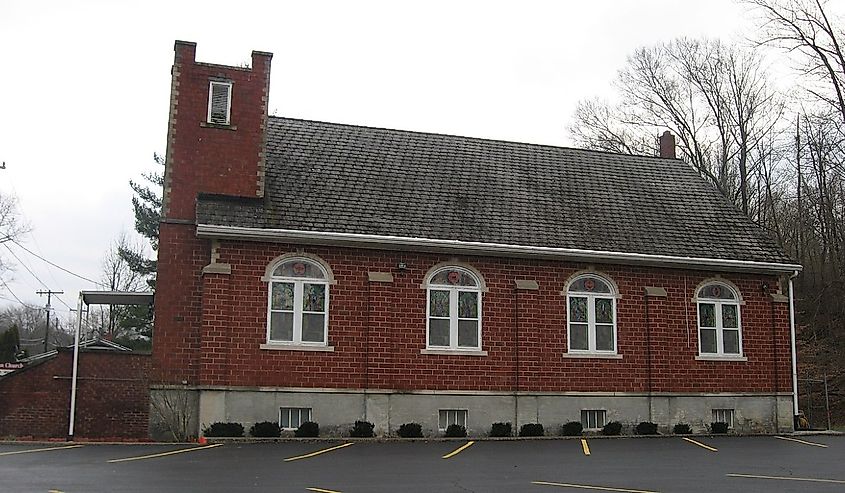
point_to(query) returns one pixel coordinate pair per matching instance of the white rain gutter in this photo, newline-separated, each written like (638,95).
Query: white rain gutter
(794,349)
(481,248)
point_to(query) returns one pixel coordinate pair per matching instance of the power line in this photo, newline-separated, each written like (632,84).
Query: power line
(55,265)
(36,278)
(12,292)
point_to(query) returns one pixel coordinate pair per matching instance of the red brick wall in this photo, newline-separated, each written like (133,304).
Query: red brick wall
(112,397)
(378,329)
(205,158)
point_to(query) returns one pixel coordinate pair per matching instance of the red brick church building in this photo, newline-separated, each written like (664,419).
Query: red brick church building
(334,273)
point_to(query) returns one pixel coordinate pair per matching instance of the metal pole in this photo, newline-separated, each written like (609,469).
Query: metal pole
(75,369)
(827,402)
(792,340)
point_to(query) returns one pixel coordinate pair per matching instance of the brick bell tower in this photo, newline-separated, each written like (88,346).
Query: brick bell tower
(216,140)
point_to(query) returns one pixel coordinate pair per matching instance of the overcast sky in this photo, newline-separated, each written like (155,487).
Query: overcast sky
(85,87)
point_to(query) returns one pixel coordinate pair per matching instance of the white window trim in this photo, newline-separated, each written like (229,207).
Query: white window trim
(720,354)
(591,317)
(453,313)
(228,101)
(298,287)
(731,414)
(595,411)
(290,408)
(453,410)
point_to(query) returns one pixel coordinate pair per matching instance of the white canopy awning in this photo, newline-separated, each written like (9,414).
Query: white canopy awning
(116,297)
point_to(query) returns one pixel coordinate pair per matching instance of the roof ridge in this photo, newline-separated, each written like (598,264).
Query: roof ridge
(481,139)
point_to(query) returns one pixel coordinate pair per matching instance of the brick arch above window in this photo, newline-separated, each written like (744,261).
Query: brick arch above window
(273,264)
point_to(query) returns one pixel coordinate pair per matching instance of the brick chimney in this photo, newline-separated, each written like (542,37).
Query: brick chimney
(667,145)
(216,134)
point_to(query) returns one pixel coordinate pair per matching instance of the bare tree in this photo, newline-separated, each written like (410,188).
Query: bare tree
(12,227)
(714,97)
(811,35)
(116,321)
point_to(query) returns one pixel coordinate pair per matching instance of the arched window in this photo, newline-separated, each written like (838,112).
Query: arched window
(591,302)
(298,303)
(719,324)
(454,309)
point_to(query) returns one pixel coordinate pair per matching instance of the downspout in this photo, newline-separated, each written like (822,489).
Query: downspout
(516,362)
(794,355)
(648,356)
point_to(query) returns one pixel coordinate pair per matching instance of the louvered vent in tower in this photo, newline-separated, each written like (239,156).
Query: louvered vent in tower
(219,102)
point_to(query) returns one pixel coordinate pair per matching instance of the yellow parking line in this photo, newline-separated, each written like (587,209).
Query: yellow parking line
(163,454)
(802,441)
(708,447)
(321,490)
(39,450)
(318,452)
(458,450)
(589,487)
(785,478)
(585,447)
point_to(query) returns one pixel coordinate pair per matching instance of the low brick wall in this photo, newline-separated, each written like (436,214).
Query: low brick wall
(112,397)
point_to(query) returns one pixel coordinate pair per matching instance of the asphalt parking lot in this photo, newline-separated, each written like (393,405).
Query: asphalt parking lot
(672,464)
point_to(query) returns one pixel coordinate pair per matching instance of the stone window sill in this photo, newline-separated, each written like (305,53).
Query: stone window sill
(454,352)
(720,358)
(217,125)
(592,355)
(296,347)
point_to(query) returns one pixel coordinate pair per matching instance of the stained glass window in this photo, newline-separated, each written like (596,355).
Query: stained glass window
(454,309)
(298,304)
(591,315)
(719,320)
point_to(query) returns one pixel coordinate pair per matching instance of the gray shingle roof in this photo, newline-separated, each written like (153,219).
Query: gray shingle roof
(350,179)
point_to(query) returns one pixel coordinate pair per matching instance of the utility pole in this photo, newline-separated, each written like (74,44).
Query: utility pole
(47,309)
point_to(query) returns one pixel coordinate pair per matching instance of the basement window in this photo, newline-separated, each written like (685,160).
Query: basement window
(219,102)
(593,419)
(452,417)
(724,416)
(291,418)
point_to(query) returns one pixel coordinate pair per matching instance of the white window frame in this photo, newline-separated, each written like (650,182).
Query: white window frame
(727,416)
(290,411)
(298,287)
(228,85)
(597,413)
(452,413)
(717,311)
(613,295)
(453,309)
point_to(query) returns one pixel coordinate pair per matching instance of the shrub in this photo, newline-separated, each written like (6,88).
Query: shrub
(501,430)
(456,431)
(682,429)
(308,429)
(531,430)
(362,429)
(571,429)
(224,430)
(646,428)
(410,430)
(612,428)
(719,427)
(265,429)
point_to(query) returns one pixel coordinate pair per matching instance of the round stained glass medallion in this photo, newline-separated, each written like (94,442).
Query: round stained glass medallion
(454,277)
(299,268)
(589,284)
